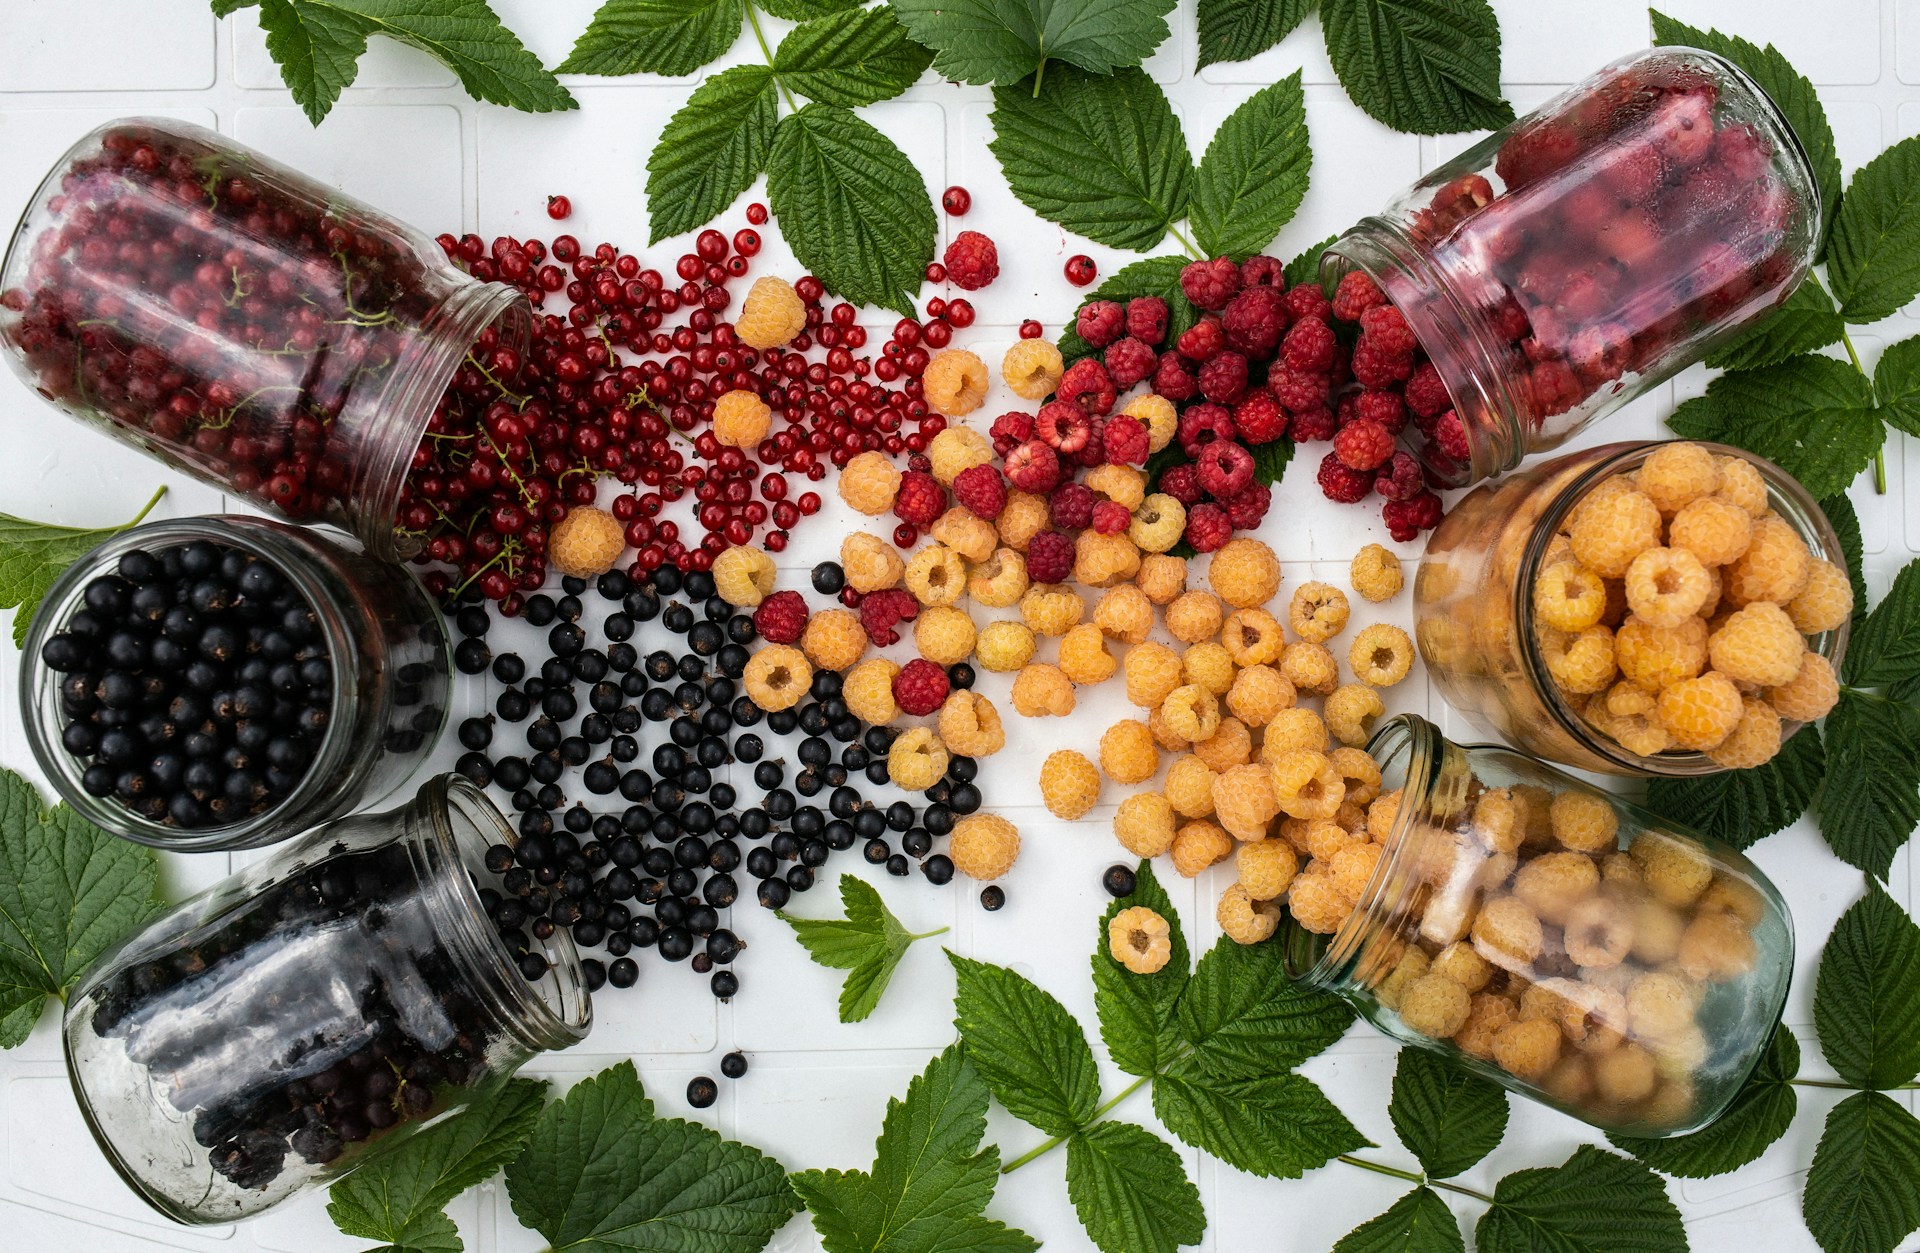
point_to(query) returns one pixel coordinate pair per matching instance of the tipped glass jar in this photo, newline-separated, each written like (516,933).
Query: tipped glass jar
(261,1038)
(1564,264)
(1556,940)
(247,325)
(220,683)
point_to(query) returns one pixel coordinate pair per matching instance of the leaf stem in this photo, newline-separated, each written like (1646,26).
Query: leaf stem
(1057,1141)
(1848,1087)
(1380,1168)
(1192,250)
(753,20)
(146,509)
(1880,453)
(928,935)
(1039,73)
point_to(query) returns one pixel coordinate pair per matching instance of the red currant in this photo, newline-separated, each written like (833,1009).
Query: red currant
(559,208)
(1031,329)
(1081,270)
(956,201)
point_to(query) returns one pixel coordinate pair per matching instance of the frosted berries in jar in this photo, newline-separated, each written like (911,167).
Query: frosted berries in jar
(1559,267)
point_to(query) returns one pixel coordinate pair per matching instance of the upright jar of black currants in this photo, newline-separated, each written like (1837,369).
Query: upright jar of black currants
(345,991)
(216,683)
(248,325)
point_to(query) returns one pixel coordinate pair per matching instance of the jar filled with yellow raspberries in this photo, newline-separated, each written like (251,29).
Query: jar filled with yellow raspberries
(1673,608)
(1555,939)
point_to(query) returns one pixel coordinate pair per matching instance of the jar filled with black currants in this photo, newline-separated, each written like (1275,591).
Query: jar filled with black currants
(261,1038)
(217,683)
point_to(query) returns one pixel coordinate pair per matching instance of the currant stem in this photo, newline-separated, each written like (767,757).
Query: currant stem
(1057,1141)
(753,20)
(147,508)
(1380,1168)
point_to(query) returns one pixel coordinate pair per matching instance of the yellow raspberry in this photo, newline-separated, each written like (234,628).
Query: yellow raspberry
(1158,415)
(1599,933)
(1381,655)
(1375,574)
(1244,572)
(1627,699)
(1413,963)
(1032,368)
(1775,567)
(1584,822)
(1655,658)
(1527,1050)
(936,575)
(1716,947)
(777,677)
(1640,734)
(1243,801)
(956,449)
(1258,693)
(870,563)
(1699,713)
(1199,844)
(742,576)
(1138,938)
(1352,867)
(1625,1075)
(1004,647)
(1735,896)
(1610,531)
(1162,578)
(1677,474)
(1458,962)
(1104,560)
(970,725)
(1318,612)
(869,482)
(1742,484)
(1306,784)
(1359,772)
(1192,712)
(1124,613)
(1350,712)
(1435,1006)
(1128,753)
(1210,666)
(1153,670)
(916,761)
(771,315)
(1195,616)
(1084,657)
(1189,786)
(1000,581)
(966,533)
(1293,730)
(1712,528)
(1252,637)
(1569,597)
(1025,516)
(1266,868)
(1041,690)
(741,419)
(1825,602)
(1507,932)
(1123,485)
(1758,644)
(983,846)
(955,382)
(868,691)
(1230,745)
(1318,907)
(1754,739)
(944,635)
(1580,662)
(1144,824)
(586,543)
(834,639)
(1311,668)
(1381,816)
(1666,586)
(1245,920)
(1158,523)
(1069,784)
(1675,871)
(1553,883)
(1811,694)
(1660,1004)
(1052,609)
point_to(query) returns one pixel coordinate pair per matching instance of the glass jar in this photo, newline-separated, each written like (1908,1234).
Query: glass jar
(1550,937)
(1591,249)
(243,323)
(382,640)
(261,1038)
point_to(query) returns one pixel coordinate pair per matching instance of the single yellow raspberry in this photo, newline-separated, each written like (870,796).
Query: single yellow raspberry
(1435,1006)
(1699,713)
(1266,868)
(1243,801)
(1189,786)
(970,725)
(916,761)
(1757,644)
(1292,730)
(1124,613)
(1199,844)
(966,533)
(1352,868)
(1660,1004)
(1230,745)
(955,449)
(1192,712)
(1359,772)
(1381,655)
(1158,415)
(1158,523)
(1144,824)
(955,382)
(777,677)
(1507,932)
(1675,871)
(1138,938)
(1610,530)
(1311,668)
(1004,647)
(1164,735)
(1245,920)
(1599,933)
(1754,739)
(1025,516)
(1318,612)
(1128,753)
(742,576)
(1627,699)
(1084,657)
(1069,784)
(1350,713)
(1775,567)
(834,639)
(1318,906)
(1458,962)
(1569,597)
(868,691)
(1716,947)
(1252,637)
(983,846)
(1209,665)
(1656,658)
(1580,662)
(771,315)
(1624,1076)
(1032,368)
(1162,578)
(870,563)
(586,543)
(1042,690)
(1000,581)
(1412,964)
(1742,484)
(1124,485)
(936,575)
(869,482)
(1713,529)
(1553,883)
(1052,608)
(1195,616)
(1258,693)
(944,635)
(1527,1050)
(741,419)
(1381,816)
(1244,572)
(1656,931)
(1375,574)
(1152,670)
(1810,694)
(1584,821)
(1306,784)
(1677,474)
(1666,586)
(1825,602)
(1104,560)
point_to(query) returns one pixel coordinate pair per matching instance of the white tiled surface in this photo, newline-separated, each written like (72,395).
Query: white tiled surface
(407,140)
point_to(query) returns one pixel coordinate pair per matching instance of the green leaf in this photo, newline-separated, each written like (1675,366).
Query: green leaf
(852,206)
(1305,268)
(1896,384)
(1278,1126)
(318,52)
(1447,1116)
(1866,1005)
(398,1196)
(1131,1190)
(1873,257)
(1760,1114)
(1594,1202)
(711,150)
(1812,415)
(1870,801)
(868,945)
(1805,322)
(930,1178)
(1254,172)
(1246,1019)
(1744,806)
(1137,1012)
(1026,1046)
(1846,526)
(850,59)
(1005,41)
(654,37)
(1270,460)
(1418,1222)
(221,8)
(1886,648)
(34,554)
(68,891)
(1427,67)
(1863,1189)
(806,10)
(1154,276)
(602,1174)
(1103,157)
(1237,30)
(1787,87)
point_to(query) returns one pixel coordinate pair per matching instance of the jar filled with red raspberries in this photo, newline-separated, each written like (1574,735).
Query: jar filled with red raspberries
(243,323)
(1563,265)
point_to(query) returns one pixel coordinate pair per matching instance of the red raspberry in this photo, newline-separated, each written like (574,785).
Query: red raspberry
(921,498)
(781,617)
(1128,442)
(1071,506)
(1739,150)
(1313,424)
(1210,284)
(1297,392)
(1248,509)
(1087,384)
(1094,451)
(1598,354)
(1535,152)
(1100,322)
(882,612)
(1405,519)
(1049,557)
(1223,380)
(1342,372)
(1110,517)
(1400,478)
(1308,301)
(1263,271)
(1426,424)
(1254,320)
(1260,418)
(1172,378)
(1637,173)
(981,490)
(1308,347)
(1426,395)
(1010,430)
(1348,409)
(1363,445)
(1555,389)
(1183,484)
(1356,294)
(1384,407)
(1225,469)
(1342,482)
(1387,328)
(1147,319)
(972,260)
(1203,341)
(1063,426)
(1208,527)
(1451,435)
(920,687)
(1510,321)
(1033,467)
(1129,360)
(1376,369)
(1203,424)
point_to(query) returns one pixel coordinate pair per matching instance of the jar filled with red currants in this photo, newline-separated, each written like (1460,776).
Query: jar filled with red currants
(243,323)
(1595,247)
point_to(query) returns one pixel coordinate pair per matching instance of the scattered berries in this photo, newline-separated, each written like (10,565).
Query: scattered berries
(983,846)
(972,261)
(1069,784)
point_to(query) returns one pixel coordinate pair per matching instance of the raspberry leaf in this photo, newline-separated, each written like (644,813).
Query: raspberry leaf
(806,10)
(852,58)
(1028,1048)
(1594,1200)
(1805,322)
(853,207)
(1254,173)
(868,944)
(1418,1222)
(1447,1117)
(1131,1190)
(1277,1126)
(1155,276)
(1896,385)
(1869,802)
(1886,649)
(1744,806)
(34,554)
(1873,258)
(1427,67)
(1846,525)
(1103,157)
(1270,460)
(1812,415)
(1245,1018)
(711,150)
(1236,30)
(1863,1189)
(1138,1013)
(654,37)
(1866,1005)
(1004,41)
(1305,268)
(1760,1114)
